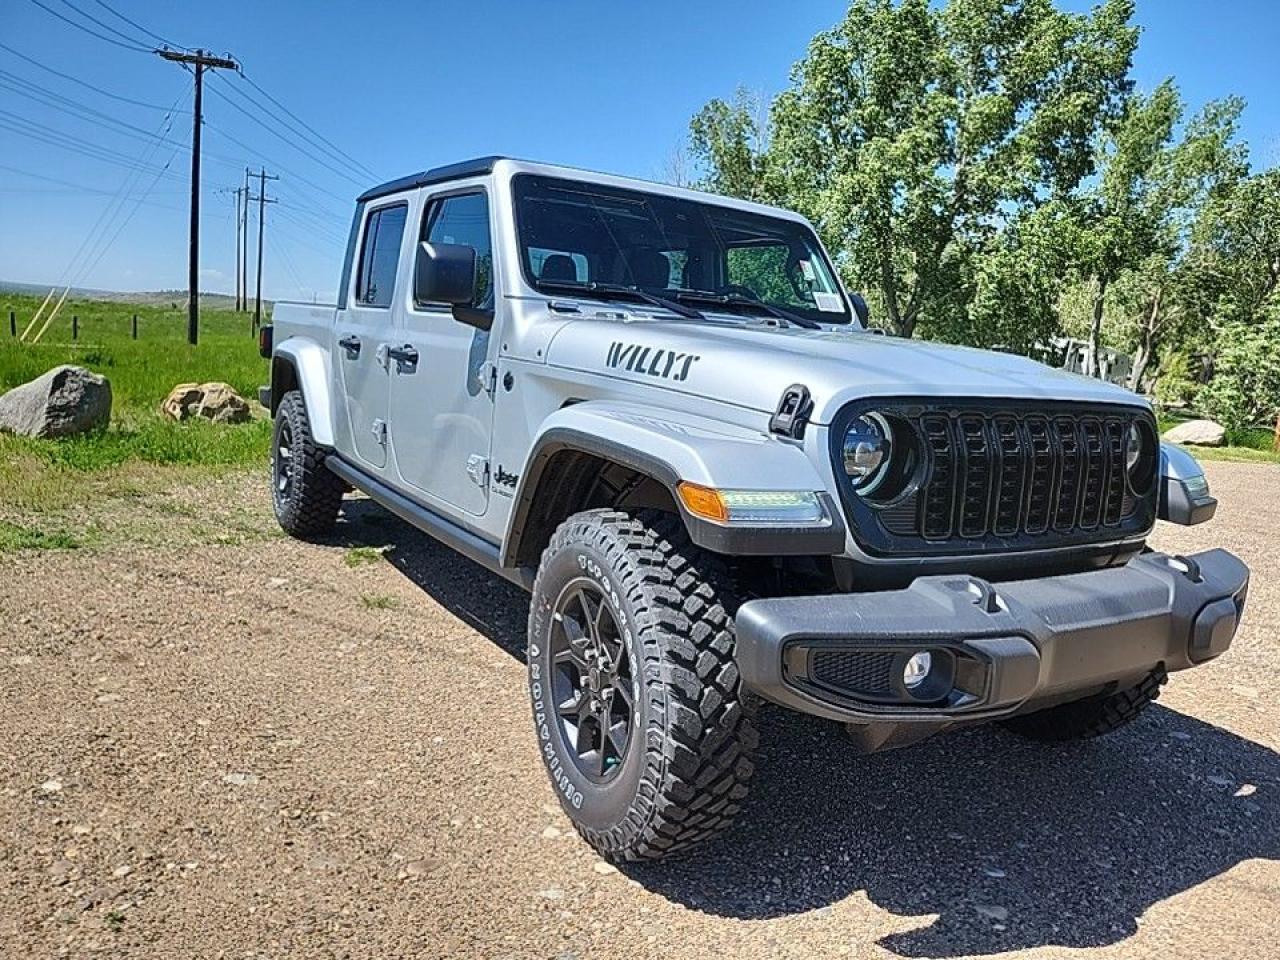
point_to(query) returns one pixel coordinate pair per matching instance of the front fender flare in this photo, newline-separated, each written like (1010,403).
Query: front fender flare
(310,364)
(671,446)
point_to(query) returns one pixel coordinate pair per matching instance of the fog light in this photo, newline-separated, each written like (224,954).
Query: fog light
(917,669)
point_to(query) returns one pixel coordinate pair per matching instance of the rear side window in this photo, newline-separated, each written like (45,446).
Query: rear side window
(464,219)
(379,256)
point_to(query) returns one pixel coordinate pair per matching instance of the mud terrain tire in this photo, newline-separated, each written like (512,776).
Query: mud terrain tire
(680,773)
(305,495)
(1090,717)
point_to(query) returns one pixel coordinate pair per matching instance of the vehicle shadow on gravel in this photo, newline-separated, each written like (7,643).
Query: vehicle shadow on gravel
(490,605)
(1010,843)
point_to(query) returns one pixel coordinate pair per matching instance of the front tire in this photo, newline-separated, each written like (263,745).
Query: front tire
(1091,717)
(305,495)
(636,695)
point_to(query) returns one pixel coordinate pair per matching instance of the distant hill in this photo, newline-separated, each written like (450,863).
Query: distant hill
(154,298)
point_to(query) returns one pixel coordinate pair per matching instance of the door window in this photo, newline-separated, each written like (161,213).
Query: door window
(464,219)
(380,255)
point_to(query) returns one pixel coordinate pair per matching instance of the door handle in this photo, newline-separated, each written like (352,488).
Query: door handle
(406,358)
(351,345)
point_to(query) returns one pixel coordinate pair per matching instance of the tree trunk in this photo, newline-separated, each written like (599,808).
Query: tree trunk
(1147,347)
(1093,366)
(1140,361)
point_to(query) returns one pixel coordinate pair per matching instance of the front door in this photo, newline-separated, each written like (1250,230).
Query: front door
(364,333)
(441,406)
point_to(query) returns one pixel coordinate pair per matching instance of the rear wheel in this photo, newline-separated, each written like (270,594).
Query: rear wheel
(636,695)
(1092,716)
(306,496)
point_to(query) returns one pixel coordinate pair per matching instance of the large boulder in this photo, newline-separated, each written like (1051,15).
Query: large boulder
(62,403)
(1198,433)
(213,401)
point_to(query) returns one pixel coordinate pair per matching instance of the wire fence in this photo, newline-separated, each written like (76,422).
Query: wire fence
(96,324)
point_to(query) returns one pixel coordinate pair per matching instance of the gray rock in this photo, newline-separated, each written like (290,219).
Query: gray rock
(1198,433)
(63,402)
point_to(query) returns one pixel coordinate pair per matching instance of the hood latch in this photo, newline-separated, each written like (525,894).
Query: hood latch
(793,412)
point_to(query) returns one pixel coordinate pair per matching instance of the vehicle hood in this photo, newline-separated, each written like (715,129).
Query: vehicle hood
(751,366)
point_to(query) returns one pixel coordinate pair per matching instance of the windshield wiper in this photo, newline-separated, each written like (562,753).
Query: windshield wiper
(707,296)
(620,290)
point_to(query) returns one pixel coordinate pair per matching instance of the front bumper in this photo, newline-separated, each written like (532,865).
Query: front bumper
(997,649)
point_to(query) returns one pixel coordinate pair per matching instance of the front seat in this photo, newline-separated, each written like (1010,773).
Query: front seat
(650,270)
(559,266)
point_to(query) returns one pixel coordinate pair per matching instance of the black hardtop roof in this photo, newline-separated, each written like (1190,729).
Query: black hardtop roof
(450,171)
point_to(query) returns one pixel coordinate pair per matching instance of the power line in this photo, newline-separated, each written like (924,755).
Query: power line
(71,186)
(291,143)
(73,107)
(138,26)
(105,26)
(93,33)
(57,138)
(247,79)
(83,83)
(263,156)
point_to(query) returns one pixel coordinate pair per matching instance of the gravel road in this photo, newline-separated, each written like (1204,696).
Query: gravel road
(216,742)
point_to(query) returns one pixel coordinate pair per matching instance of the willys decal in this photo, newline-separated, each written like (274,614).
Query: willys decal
(654,362)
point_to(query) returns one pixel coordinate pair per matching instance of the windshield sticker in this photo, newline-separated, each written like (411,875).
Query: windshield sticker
(806,268)
(828,302)
(667,364)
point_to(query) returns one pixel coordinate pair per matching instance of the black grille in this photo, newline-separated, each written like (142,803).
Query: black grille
(854,672)
(991,475)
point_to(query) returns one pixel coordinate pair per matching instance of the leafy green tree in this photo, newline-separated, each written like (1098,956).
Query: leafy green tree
(726,141)
(911,135)
(1140,218)
(1245,388)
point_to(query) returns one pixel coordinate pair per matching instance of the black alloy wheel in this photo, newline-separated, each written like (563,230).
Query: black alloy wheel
(593,683)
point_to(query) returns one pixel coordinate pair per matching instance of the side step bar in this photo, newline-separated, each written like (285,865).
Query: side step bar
(446,531)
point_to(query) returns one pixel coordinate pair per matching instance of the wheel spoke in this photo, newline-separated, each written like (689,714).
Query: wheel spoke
(573,706)
(575,653)
(622,691)
(618,736)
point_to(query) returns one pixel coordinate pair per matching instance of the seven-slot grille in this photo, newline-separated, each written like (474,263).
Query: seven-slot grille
(1038,476)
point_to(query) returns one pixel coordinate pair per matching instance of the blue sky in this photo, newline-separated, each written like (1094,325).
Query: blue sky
(401,85)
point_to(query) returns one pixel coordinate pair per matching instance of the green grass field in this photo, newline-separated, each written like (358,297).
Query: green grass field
(139,442)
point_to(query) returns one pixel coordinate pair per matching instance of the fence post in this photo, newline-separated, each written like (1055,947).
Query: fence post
(1275,443)
(75,326)
(135,326)
(13,324)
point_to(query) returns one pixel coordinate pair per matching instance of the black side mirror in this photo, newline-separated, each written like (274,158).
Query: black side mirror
(444,273)
(860,308)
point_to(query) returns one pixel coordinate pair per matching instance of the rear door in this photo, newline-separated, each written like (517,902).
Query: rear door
(441,405)
(364,333)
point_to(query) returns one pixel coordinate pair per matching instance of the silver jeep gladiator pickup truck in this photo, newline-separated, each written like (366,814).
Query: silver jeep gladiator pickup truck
(659,411)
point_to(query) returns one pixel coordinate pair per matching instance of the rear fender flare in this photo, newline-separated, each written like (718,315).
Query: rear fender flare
(310,363)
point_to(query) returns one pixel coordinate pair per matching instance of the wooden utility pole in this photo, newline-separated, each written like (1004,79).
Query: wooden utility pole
(244,243)
(239,195)
(263,200)
(200,61)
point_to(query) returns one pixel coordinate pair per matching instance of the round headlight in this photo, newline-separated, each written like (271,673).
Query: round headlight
(1139,456)
(1132,448)
(866,451)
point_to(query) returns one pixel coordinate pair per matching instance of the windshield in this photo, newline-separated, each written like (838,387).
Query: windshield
(573,232)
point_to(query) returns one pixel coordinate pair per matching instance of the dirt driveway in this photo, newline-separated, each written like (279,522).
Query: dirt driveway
(251,747)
